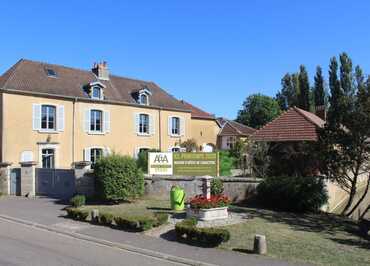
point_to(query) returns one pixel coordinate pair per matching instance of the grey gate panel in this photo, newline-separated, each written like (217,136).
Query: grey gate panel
(15,181)
(56,183)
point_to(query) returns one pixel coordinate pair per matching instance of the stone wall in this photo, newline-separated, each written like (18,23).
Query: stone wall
(237,188)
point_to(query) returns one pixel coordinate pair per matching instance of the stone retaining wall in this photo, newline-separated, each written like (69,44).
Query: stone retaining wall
(237,188)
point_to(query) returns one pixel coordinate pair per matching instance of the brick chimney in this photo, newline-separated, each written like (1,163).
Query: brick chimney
(101,70)
(320,111)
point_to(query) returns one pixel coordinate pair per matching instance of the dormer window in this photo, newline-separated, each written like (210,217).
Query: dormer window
(96,90)
(143,96)
(96,93)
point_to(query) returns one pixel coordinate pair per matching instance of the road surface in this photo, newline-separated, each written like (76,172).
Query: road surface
(25,245)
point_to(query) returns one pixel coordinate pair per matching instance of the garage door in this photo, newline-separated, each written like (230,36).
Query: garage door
(55,183)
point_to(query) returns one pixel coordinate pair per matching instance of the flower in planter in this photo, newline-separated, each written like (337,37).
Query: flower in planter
(216,201)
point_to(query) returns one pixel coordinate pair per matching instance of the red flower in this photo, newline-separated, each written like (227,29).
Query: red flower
(216,201)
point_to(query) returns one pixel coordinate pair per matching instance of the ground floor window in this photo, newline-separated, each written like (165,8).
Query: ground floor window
(95,155)
(48,158)
(230,142)
(176,149)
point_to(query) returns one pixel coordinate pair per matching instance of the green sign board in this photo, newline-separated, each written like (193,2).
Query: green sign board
(195,163)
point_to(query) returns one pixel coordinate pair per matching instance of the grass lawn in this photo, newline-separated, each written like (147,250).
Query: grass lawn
(320,239)
(140,207)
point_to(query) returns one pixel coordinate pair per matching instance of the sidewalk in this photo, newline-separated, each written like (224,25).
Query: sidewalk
(48,213)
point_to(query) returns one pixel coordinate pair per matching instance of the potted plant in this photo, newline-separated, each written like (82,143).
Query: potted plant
(216,207)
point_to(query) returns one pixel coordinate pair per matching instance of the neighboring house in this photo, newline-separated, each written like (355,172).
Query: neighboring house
(293,125)
(57,115)
(230,132)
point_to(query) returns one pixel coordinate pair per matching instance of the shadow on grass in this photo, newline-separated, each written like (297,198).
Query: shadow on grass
(243,250)
(360,243)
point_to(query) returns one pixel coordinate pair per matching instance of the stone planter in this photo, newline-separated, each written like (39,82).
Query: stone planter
(208,214)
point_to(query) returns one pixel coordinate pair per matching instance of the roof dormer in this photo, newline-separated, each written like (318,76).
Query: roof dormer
(96,90)
(143,96)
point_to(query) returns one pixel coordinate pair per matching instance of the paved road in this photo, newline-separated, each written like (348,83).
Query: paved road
(24,245)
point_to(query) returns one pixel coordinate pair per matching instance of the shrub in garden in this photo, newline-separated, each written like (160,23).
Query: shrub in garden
(216,201)
(161,218)
(118,178)
(135,223)
(210,237)
(106,218)
(142,159)
(78,201)
(217,186)
(227,163)
(77,214)
(292,193)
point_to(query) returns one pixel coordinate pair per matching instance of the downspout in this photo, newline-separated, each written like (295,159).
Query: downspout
(73,129)
(159,130)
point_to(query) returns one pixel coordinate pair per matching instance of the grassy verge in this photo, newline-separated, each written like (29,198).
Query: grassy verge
(321,239)
(141,207)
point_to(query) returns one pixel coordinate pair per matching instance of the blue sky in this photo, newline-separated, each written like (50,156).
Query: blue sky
(211,53)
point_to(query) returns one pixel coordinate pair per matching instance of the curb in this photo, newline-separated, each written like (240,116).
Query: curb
(141,251)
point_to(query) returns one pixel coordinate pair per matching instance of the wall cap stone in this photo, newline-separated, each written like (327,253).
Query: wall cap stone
(29,163)
(82,163)
(5,164)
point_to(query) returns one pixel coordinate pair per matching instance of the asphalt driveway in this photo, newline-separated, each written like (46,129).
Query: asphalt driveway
(49,212)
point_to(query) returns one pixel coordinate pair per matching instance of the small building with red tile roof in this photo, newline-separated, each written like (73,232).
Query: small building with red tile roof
(293,125)
(230,132)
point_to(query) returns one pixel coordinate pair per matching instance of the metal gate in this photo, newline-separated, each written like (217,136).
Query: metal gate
(55,183)
(15,181)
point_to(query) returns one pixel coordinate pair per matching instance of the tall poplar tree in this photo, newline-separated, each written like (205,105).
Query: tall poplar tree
(319,90)
(304,89)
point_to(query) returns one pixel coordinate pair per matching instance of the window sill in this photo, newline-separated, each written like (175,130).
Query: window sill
(96,133)
(144,134)
(175,136)
(48,131)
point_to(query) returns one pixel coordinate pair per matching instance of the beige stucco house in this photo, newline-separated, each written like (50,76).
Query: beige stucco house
(57,115)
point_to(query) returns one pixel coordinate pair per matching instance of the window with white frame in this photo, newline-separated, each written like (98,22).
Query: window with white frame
(143,99)
(95,154)
(48,117)
(48,158)
(230,142)
(175,125)
(144,124)
(96,120)
(96,93)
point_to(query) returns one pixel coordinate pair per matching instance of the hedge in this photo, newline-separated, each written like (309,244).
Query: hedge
(209,237)
(77,214)
(105,218)
(292,193)
(118,178)
(78,201)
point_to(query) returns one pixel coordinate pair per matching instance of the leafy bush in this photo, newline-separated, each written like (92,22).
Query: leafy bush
(118,178)
(135,223)
(296,194)
(216,201)
(78,201)
(190,145)
(226,163)
(217,186)
(210,237)
(161,218)
(106,218)
(77,214)
(142,159)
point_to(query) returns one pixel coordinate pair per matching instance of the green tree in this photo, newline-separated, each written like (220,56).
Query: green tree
(319,89)
(343,143)
(287,96)
(258,110)
(304,89)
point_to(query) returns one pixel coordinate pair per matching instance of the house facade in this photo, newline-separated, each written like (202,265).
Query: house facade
(57,116)
(230,132)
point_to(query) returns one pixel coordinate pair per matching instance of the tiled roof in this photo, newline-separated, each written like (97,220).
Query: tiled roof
(196,112)
(293,125)
(232,128)
(30,76)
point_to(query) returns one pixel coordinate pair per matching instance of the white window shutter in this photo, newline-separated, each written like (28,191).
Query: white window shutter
(87,120)
(151,125)
(106,121)
(136,123)
(36,116)
(60,118)
(182,126)
(87,154)
(169,126)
